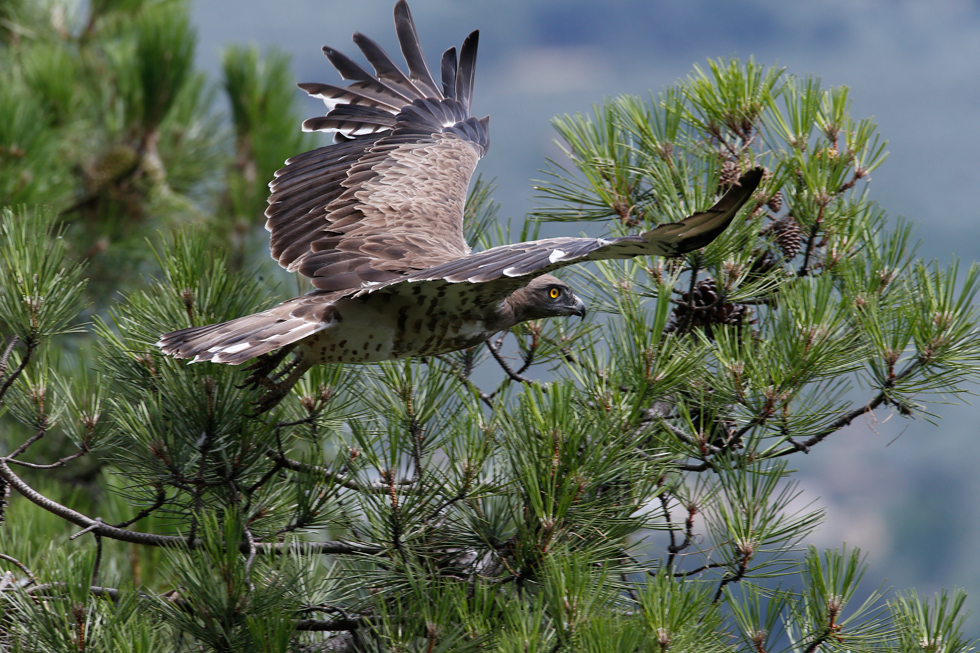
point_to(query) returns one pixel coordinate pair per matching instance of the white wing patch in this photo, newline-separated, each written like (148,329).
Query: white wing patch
(233,349)
(358,130)
(556,255)
(331,103)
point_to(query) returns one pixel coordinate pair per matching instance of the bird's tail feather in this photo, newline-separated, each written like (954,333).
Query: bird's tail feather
(244,338)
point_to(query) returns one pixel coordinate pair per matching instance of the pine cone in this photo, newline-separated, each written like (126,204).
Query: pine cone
(789,236)
(701,308)
(775,202)
(729,175)
(764,262)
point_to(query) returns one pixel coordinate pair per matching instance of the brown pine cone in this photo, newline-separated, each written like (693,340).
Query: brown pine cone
(775,202)
(729,174)
(789,236)
(701,308)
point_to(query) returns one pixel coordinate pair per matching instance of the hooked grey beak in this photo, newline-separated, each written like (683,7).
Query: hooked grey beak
(579,308)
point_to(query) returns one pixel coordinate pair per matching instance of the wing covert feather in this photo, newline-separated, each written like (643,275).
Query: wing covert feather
(387,198)
(537,257)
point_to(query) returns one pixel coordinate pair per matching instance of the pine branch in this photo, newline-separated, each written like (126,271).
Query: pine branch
(329,476)
(110,592)
(105,530)
(847,418)
(514,376)
(810,243)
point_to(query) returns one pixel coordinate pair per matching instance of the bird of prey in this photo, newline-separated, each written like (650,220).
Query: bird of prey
(375,220)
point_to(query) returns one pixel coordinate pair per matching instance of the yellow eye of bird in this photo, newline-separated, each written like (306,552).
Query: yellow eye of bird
(554,293)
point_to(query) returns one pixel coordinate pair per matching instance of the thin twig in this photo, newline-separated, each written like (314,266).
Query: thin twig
(672,548)
(6,355)
(305,420)
(198,490)
(689,318)
(20,368)
(733,578)
(160,500)
(689,439)
(87,529)
(265,478)
(531,350)
(459,496)
(688,531)
(60,463)
(810,242)
(495,350)
(463,376)
(110,592)
(703,467)
(818,640)
(20,565)
(395,515)
(328,476)
(98,561)
(858,174)
(416,432)
(847,418)
(691,572)
(22,448)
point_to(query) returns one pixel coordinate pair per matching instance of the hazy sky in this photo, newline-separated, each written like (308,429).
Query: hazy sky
(913,66)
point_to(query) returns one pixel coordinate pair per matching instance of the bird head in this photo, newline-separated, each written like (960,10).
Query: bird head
(545,296)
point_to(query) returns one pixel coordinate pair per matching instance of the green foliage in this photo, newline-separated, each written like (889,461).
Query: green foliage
(262,94)
(41,292)
(30,162)
(827,617)
(164,55)
(107,122)
(930,626)
(638,500)
(230,581)
(65,614)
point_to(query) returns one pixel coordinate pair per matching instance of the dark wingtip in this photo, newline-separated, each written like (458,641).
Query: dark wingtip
(467,68)
(697,230)
(448,66)
(752,178)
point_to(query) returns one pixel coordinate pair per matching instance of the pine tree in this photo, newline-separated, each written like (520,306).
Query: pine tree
(623,488)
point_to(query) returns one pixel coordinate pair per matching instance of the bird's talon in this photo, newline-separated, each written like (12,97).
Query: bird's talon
(270,399)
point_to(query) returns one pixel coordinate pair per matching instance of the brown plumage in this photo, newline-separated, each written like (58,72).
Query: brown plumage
(376,222)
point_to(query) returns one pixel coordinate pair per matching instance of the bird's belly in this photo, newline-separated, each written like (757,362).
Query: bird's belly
(367,333)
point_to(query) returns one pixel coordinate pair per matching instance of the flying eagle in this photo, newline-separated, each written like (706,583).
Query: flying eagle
(375,220)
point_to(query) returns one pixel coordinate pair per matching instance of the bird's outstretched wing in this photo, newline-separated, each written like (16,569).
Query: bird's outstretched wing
(386,199)
(510,265)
